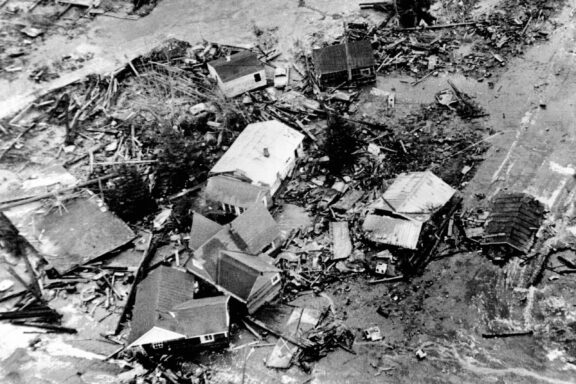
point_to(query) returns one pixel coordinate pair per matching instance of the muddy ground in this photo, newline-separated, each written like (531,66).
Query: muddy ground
(458,298)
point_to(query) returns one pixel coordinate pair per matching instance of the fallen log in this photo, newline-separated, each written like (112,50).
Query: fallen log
(509,334)
(13,142)
(386,280)
(440,26)
(51,327)
(23,314)
(148,253)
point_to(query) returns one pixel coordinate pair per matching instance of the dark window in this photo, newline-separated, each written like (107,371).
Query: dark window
(257,77)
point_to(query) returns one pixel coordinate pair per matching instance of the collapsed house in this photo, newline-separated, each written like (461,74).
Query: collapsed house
(513,222)
(347,62)
(398,216)
(167,318)
(76,229)
(239,73)
(229,257)
(253,168)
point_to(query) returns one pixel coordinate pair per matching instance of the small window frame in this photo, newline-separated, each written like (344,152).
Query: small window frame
(366,71)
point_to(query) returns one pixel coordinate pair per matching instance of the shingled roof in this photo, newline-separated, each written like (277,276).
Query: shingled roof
(514,220)
(237,65)
(157,294)
(341,57)
(256,228)
(250,232)
(202,230)
(202,316)
(238,193)
(239,273)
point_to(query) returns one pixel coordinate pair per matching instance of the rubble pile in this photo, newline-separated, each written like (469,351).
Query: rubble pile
(244,194)
(475,45)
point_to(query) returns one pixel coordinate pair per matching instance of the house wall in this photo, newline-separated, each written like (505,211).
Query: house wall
(287,170)
(243,84)
(195,343)
(340,77)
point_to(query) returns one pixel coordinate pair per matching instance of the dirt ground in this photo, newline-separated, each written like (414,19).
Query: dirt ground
(459,297)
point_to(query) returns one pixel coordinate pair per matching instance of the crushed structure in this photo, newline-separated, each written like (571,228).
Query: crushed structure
(397,217)
(513,222)
(233,251)
(261,157)
(238,73)
(167,318)
(347,62)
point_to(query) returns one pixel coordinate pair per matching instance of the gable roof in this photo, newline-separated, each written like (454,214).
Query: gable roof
(236,66)
(417,193)
(199,317)
(256,228)
(238,273)
(202,230)
(229,190)
(246,155)
(156,295)
(250,232)
(341,57)
(514,220)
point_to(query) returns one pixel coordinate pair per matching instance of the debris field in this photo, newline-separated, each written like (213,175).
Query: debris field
(213,213)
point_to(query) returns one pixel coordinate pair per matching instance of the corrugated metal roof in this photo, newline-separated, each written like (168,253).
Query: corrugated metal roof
(157,294)
(418,193)
(393,231)
(334,58)
(202,230)
(238,65)
(229,190)
(256,228)
(514,220)
(246,156)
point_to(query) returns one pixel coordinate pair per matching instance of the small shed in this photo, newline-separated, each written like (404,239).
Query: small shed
(239,73)
(263,155)
(350,61)
(513,221)
(397,217)
(166,317)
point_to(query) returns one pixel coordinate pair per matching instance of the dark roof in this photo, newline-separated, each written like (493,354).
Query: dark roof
(157,294)
(229,190)
(256,228)
(250,232)
(201,316)
(514,220)
(202,230)
(239,272)
(337,58)
(238,65)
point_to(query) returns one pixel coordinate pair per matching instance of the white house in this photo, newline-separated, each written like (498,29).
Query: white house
(263,155)
(239,73)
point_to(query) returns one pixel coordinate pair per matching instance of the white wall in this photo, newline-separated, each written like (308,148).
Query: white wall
(243,84)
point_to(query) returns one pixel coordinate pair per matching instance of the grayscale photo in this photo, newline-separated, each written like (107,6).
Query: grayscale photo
(287,192)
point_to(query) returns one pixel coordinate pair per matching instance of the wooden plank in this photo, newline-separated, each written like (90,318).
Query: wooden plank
(341,243)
